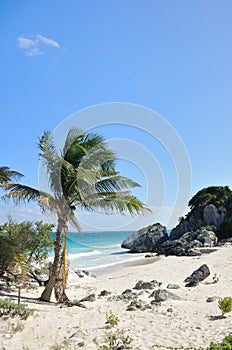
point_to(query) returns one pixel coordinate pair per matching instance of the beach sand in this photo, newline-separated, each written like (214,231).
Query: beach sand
(190,322)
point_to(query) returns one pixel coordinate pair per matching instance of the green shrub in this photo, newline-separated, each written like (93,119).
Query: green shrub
(225,345)
(225,305)
(208,228)
(10,309)
(23,243)
(116,341)
(112,319)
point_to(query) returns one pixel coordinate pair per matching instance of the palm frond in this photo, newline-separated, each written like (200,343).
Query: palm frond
(48,202)
(74,137)
(7,175)
(118,202)
(115,183)
(20,193)
(52,161)
(99,158)
(74,222)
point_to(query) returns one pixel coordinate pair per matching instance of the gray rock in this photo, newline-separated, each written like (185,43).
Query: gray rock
(146,285)
(207,238)
(39,276)
(156,303)
(173,286)
(104,293)
(197,276)
(211,299)
(90,297)
(227,242)
(150,255)
(84,273)
(138,304)
(131,308)
(170,309)
(214,216)
(163,294)
(179,247)
(146,239)
(125,296)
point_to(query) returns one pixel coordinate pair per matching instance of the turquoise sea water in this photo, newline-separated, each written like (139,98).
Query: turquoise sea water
(91,250)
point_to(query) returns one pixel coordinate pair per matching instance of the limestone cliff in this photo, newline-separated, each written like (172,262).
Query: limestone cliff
(210,215)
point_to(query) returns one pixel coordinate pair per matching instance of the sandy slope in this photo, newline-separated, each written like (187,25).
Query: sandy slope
(192,323)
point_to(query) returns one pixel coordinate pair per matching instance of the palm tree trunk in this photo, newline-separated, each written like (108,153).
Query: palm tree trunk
(61,280)
(60,284)
(46,295)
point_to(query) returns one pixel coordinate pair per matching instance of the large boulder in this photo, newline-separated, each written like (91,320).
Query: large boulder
(197,276)
(147,239)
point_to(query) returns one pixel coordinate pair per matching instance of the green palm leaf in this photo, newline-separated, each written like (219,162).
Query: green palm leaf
(7,175)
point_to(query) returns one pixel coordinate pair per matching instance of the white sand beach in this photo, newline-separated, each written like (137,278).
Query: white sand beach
(190,322)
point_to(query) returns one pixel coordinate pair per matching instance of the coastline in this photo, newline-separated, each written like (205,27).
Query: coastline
(106,270)
(190,321)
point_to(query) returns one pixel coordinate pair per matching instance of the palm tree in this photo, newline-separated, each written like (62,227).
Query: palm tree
(7,175)
(83,176)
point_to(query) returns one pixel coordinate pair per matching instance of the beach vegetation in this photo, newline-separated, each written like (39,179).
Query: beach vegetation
(15,327)
(10,309)
(66,345)
(225,305)
(112,319)
(217,195)
(81,176)
(225,345)
(115,341)
(207,228)
(23,244)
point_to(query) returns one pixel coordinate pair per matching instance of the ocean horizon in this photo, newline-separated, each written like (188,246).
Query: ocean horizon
(98,250)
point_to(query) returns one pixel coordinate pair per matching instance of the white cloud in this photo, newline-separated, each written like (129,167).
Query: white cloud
(48,41)
(30,213)
(35,47)
(25,43)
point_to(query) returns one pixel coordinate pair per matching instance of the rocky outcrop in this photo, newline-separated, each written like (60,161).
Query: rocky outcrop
(155,239)
(147,239)
(209,215)
(186,245)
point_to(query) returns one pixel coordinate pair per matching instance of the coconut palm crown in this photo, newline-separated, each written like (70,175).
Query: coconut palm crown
(82,176)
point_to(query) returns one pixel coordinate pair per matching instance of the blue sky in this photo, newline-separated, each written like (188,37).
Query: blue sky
(173,57)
